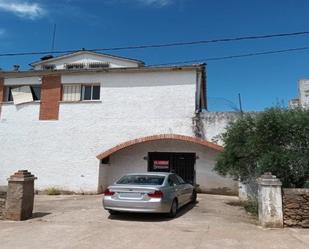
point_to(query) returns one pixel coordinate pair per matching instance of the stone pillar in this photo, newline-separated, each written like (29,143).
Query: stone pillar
(270,201)
(20,196)
(242,191)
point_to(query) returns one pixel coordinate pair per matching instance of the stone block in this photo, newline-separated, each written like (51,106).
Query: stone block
(293,205)
(305,223)
(20,196)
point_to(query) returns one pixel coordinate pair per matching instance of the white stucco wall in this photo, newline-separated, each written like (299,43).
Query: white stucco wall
(131,160)
(215,123)
(22,81)
(63,153)
(87,58)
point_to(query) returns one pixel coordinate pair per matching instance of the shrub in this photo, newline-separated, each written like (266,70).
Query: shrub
(53,191)
(251,206)
(276,140)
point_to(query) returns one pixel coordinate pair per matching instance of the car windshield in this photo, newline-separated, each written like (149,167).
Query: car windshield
(141,180)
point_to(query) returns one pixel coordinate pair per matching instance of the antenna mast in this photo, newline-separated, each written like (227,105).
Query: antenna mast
(53,39)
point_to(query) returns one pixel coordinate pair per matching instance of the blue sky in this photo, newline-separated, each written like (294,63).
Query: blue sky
(262,81)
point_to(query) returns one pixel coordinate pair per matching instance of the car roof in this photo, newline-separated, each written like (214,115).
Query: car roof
(152,173)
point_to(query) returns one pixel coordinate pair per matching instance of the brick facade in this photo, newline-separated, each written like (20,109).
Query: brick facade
(50,97)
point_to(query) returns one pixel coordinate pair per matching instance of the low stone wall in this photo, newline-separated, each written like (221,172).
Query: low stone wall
(2,203)
(296,207)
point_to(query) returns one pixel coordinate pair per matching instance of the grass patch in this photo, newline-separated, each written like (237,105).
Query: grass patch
(53,191)
(251,206)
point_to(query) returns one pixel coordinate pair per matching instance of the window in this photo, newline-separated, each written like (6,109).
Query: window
(77,92)
(173,181)
(75,66)
(34,92)
(49,67)
(141,180)
(22,95)
(90,92)
(98,65)
(71,92)
(181,181)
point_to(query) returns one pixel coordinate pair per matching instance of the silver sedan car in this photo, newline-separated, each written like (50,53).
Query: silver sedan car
(149,193)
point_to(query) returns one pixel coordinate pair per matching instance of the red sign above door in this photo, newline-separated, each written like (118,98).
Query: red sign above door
(161,164)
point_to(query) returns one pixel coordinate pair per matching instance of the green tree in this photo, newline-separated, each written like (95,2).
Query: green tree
(276,140)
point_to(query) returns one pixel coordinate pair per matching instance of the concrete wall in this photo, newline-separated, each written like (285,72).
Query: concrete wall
(131,160)
(214,124)
(63,153)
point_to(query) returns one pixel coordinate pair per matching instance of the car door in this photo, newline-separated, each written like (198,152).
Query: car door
(180,190)
(177,188)
(186,189)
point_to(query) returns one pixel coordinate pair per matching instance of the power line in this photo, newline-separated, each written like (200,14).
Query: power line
(234,56)
(160,45)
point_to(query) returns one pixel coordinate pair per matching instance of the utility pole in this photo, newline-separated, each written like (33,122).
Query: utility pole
(240,105)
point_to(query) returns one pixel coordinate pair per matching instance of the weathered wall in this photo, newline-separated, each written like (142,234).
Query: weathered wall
(131,160)
(62,153)
(296,207)
(2,201)
(213,124)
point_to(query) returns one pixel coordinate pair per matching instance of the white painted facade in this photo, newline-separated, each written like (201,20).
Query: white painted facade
(86,57)
(132,159)
(133,104)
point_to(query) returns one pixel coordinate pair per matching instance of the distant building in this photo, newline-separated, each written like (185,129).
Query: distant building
(303,95)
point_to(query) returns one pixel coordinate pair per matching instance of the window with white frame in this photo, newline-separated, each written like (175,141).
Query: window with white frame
(91,92)
(71,92)
(27,92)
(80,92)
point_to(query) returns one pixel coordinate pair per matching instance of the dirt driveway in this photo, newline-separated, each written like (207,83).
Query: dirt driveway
(80,222)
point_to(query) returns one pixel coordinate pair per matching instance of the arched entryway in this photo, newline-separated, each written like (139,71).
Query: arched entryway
(190,157)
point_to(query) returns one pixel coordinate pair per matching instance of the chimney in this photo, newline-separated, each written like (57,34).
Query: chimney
(16,67)
(47,57)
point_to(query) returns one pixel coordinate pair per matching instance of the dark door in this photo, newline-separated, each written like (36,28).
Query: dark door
(180,163)
(183,165)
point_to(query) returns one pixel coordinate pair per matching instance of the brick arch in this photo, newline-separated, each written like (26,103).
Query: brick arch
(160,137)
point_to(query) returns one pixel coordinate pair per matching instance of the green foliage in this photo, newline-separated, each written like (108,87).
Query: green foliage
(276,140)
(53,191)
(251,206)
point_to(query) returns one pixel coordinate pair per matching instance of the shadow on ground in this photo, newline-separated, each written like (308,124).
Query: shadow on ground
(39,214)
(146,217)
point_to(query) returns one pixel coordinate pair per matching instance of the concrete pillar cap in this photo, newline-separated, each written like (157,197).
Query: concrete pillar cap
(267,179)
(22,176)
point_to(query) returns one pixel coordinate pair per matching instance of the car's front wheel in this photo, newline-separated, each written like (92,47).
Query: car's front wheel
(174,209)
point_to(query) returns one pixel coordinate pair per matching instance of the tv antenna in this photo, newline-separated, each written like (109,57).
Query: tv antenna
(53,39)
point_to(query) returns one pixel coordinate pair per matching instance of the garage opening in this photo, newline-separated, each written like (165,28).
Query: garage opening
(180,163)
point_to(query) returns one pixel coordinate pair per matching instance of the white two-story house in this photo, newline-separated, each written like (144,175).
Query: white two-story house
(80,121)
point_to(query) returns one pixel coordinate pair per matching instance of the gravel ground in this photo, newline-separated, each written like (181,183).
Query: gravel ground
(80,222)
